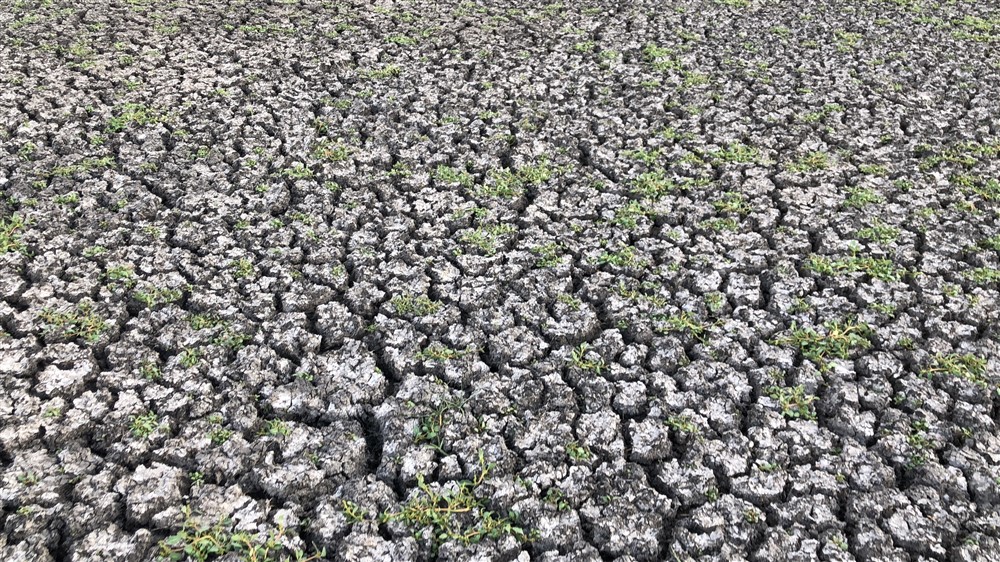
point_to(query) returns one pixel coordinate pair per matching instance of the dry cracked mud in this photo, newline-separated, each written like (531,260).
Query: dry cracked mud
(686,280)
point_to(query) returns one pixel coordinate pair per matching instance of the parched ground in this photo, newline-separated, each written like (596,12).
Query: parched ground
(686,280)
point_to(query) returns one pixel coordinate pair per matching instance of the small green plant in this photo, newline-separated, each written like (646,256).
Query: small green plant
(231,339)
(150,371)
(133,114)
(297,171)
(506,183)
(353,512)
(811,162)
(879,232)
(548,254)
(732,202)
(28,479)
(683,321)
(80,322)
(219,435)
(399,170)
(488,238)
(646,156)
(837,341)
(432,426)
(654,185)
(11,229)
(624,257)
(629,215)
(846,40)
(873,169)
(823,113)
(793,401)
(437,351)
(384,72)
(983,275)
(661,58)
(197,478)
(456,514)
(570,301)
(414,305)
(556,497)
(201,542)
(332,152)
(964,366)
(152,296)
(188,358)
(877,268)
(242,268)
(121,274)
(737,153)
(715,301)
(450,175)
(578,452)
(858,197)
(142,426)
(682,424)
(275,428)
(583,358)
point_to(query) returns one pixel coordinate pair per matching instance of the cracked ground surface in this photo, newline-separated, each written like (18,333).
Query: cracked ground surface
(415,280)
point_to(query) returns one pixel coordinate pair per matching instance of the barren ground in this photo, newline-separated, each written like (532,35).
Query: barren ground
(686,280)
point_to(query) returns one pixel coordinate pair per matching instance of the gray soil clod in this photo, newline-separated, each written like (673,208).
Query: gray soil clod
(685,280)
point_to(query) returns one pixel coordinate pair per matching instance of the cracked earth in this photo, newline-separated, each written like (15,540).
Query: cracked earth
(687,280)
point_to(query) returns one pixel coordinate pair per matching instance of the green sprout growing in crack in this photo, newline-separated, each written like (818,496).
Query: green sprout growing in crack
(876,268)
(578,452)
(133,113)
(683,321)
(811,162)
(439,352)
(432,426)
(450,175)
(548,254)
(275,428)
(964,366)
(80,322)
(584,359)
(626,256)
(152,296)
(414,305)
(352,511)
(837,341)
(202,542)
(144,425)
(10,234)
(456,514)
(793,401)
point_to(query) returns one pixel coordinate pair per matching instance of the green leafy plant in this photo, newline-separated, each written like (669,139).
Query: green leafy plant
(964,366)
(353,511)
(578,452)
(811,162)
(152,295)
(275,428)
(583,358)
(202,542)
(414,305)
(793,401)
(80,322)
(432,426)
(548,254)
(837,341)
(456,514)
(11,229)
(144,425)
